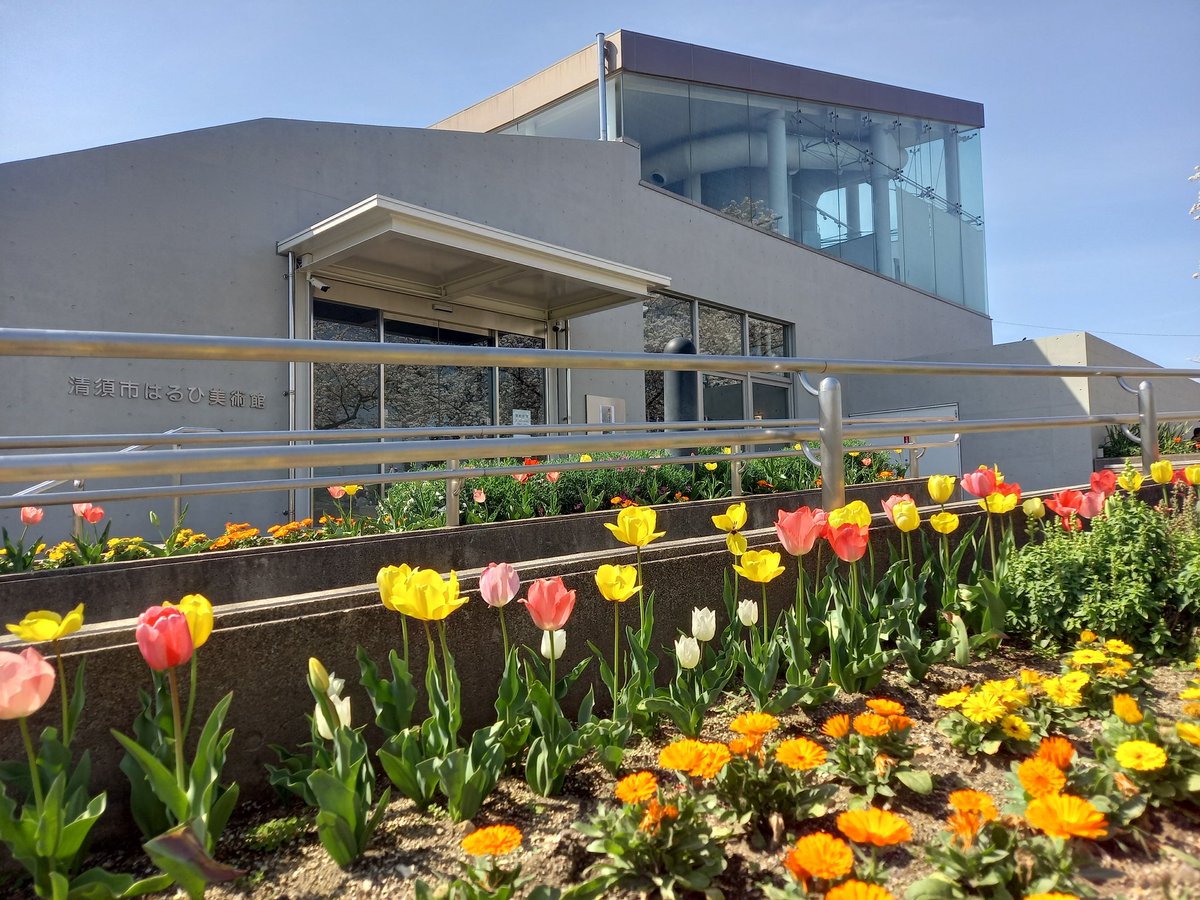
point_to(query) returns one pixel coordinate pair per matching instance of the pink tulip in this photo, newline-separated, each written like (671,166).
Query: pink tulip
(26,680)
(336,491)
(799,529)
(1104,482)
(553,476)
(163,637)
(498,584)
(31,515)
(1092,504)
(479,496)
(87,512)
(980,483)
(848,541)
(549,603)
(521,477)
(892,501)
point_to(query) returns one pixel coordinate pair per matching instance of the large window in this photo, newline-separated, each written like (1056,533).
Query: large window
(724,396)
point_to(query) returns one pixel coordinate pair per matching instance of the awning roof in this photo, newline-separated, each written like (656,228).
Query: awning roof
(389,243)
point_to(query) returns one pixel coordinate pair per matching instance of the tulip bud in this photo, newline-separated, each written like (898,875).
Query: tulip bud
(747,613)
(941,487)
(1034,508)
(704,624)
(687,652)
(554,642)
(1162,471)
(341,709)
(318,676)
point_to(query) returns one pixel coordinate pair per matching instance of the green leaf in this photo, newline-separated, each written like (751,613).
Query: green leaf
(916,780)
(162,782)
(180,854)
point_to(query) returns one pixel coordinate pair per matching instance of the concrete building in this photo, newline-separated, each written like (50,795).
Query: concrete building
(756,207)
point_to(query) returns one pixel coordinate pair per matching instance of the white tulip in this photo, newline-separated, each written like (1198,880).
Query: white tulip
(554,642)
(704,624)
(341,708)
(687,651)
(748,613)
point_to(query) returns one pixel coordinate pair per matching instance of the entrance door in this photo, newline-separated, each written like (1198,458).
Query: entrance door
(436,396)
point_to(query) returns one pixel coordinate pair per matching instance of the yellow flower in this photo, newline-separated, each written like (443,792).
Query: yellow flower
(733,519)
(1088,657)
(585,457)
(1062,693)
(1126,709)
(953,699)
(735,543)
(727,450)
(1016,728)
(1162,471)
(1188,732)
(199,615)
(1130,480)
(1076,680)
(352,489)
(998,503)
(44,625)
(941,487)
(1034,508)
(1088,637)
(944,522)
(983,709)
(393,586)
(711,466)
(906,516)
(854,513)
(1141,756)
(617,583)
(1192,693)
(419,593)
(1118,647)
(760,566)
(1116,667)
(635,526)
(1031,676)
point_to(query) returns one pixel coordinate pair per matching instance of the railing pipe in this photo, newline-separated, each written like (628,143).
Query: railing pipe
(1148,425)
(735,472)
(453,486)
(833,472)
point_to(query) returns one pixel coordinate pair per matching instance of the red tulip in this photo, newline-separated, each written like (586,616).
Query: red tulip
(26,680)
(980,483)
(799,529)
(163,637)
(549,603)
(31,515)
(1065,503)
(87,512)
(848,541)
(892,501)
(1104,482)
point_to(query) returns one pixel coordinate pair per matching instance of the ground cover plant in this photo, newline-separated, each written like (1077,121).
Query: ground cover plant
(877,739)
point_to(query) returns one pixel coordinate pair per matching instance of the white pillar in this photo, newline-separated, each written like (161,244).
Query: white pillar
(953,186)
(882,152)
(693,187)
(778,195)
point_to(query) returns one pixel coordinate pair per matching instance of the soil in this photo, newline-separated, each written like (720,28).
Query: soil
(1162,860)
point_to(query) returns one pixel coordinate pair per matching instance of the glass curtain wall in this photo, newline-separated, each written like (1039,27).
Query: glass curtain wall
(894,194)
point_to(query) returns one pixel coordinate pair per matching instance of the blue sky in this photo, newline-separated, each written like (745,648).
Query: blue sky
(1093,108)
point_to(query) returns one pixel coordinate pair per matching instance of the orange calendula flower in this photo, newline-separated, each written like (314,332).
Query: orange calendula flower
(655,814)
(1065,816)
(711,761)
(1040,777)
(899,723)
(681,755)
(885,707)
(871,725)
(636,788)
(745,746)
(800,754)
(836,726)
(1126,709)
(858,890)
(874,826)
(964,825)
(975,801)
(494,840)
(754,724)
(819,855)
(1056,750)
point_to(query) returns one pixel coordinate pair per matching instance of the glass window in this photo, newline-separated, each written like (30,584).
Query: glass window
(345,395)
(720,331)
(663,319)
(436,396)
(723,398)
(522,389)
(771,400)
(766,338)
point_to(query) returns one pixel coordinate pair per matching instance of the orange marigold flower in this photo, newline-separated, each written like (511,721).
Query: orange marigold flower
(836,726)
(1040,777)
(871,725)
(711,761)
(754,724)
(1126,709)
(1192,709)
(655,813)
(899,723)
(800,754)
(885,707)
(494,840)
(858,890)
(745,746)
(1065,816)
(964,825)
(819,855)
(874,826)
(680,756)
(1057,750)
(975,801)
(636,788)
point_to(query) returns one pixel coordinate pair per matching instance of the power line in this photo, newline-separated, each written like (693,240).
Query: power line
(1097,331)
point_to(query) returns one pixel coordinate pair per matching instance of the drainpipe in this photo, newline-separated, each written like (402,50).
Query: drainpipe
(601,53)
(291,388)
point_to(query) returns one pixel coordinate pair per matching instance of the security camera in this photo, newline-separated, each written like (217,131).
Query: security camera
(318,284)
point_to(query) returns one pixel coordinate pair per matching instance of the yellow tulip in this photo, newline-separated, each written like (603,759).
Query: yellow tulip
(635,526)
(855,513)
(998,502)
(1034,508)
(617,583)
(733,519)
(726,450)
(710,466)
(906,516)
(585,457)
(431,598)
(941,487)
(1162,471)
(393,584)
(759,566)
(352,489)
(318,675)
(199,615)
(944,522)
(1192,474)
(44,625)
(1131,480)
(735,543)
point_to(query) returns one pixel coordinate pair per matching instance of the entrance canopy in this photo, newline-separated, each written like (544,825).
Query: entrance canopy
(391,244)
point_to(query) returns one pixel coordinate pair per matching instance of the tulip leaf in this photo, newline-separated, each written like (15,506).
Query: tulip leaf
(162,782)
(181,854)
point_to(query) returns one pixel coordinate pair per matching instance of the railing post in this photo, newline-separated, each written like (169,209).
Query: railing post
(453,485)
(1148,425)
(176,480)
(735,473)
(829,425)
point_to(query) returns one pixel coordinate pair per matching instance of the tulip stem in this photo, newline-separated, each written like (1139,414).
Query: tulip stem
(191,704)
(445,654)
(553,681)
(34,778)
(641,592)
(429,640)
(801,604)
(404,637)
(66,701)
(176,714)
(764,613)
(616,653)
(503,632)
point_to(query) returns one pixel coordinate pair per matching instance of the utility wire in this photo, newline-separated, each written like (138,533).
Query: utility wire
(1098,331)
